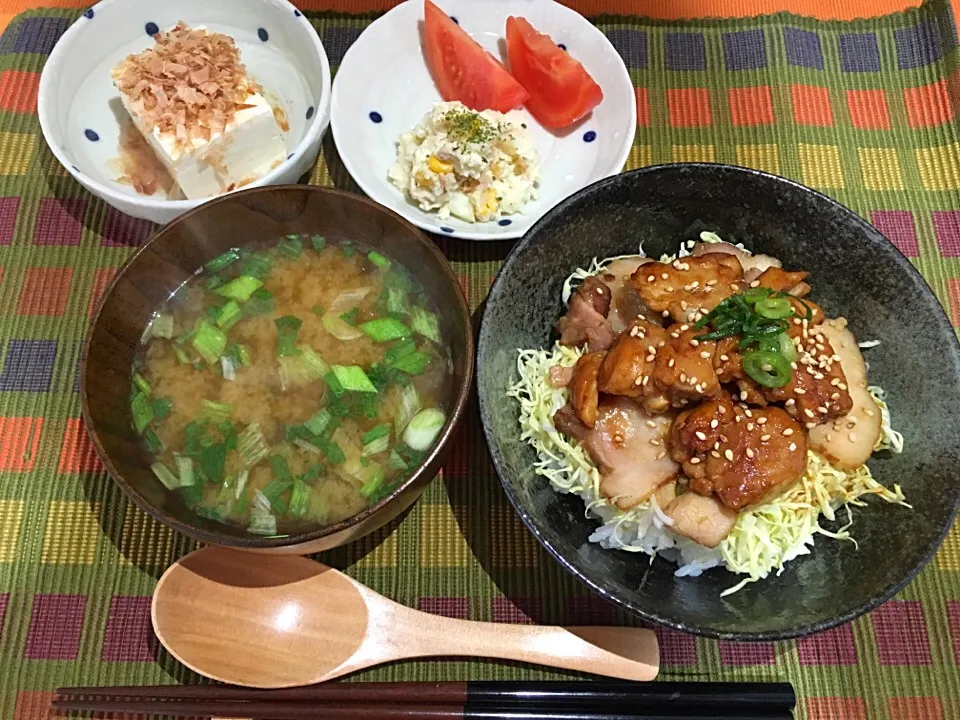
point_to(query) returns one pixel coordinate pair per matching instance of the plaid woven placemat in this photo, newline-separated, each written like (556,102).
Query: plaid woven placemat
(864,111)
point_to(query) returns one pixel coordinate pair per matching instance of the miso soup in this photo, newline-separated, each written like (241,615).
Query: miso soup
(291,385)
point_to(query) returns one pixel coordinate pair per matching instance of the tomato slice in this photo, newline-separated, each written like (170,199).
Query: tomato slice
(561,91)
(463,70)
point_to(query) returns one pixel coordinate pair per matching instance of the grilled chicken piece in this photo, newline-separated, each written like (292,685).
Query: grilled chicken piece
(848,441)
(688,287)
(684,366)
(628,365)
(778,279)
(626,305)
(705,520)
(728,364)
(743,456)
(818,390)
(752,264)
(630,449)
(583,387)
(586,319)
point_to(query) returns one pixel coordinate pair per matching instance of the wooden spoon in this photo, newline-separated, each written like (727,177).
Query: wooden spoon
(274,621)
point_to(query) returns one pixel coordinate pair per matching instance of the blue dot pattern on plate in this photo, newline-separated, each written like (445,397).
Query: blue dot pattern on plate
(75,169)
(454,18)
(297,13)
(376,117)
(561,46)
(88,14)
(589,136)
(309,112)
(446,229)
(505,222)
(91,135)
(289,156)
(151,28)
(263,34)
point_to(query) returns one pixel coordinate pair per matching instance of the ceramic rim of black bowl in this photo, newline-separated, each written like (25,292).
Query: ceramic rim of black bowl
(252,542)
(650,616)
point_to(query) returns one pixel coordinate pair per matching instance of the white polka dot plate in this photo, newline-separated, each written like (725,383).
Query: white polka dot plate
(383,89)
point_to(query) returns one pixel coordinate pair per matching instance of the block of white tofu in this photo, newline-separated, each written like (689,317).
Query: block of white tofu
(250,145)
(199,111)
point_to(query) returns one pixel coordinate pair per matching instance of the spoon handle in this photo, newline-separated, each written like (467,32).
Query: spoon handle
(620,652)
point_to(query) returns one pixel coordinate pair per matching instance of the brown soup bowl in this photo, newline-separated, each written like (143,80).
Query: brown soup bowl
(172,257)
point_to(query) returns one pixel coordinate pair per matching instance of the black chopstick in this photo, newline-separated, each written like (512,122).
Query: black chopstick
(442,701)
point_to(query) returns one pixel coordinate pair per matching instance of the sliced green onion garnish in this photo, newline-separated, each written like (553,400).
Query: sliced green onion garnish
(281,470)
(153,441)
(141,382)
(766,368)
(381,261)
(333,452)
(169,480)
(396,301)
(347,248)
(185,469)
(224,260)
(262,522)
(240,288)
(209,342)
(142,410)
(216,412)
(212,461)
(242,478)
(424,428)
(319,422)
(755,295)
(299,498)
(291,246)
(774,308)
(288,327)
(385,329)
(414,364)
(407,407)
(181,355)
(228,368)
(425,323)
(381,444)
(396,462)
(351,378)
(340,329)
(350,316)
(252,445)
(319,242)
(229,315)
(261,302)
(375,433)
(161,407)
(213,282)
(258,264)
(302,369)
(193,436)
(782,344)
(374,480)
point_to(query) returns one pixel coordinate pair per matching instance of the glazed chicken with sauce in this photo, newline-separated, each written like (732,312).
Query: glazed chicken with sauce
(672,403)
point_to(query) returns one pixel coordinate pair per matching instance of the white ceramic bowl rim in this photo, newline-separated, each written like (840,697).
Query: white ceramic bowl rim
(315,127)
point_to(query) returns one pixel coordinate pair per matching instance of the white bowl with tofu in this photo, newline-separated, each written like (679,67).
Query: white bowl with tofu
(158,107)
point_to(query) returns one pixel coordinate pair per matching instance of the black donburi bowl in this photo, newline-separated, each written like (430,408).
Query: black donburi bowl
(855,272)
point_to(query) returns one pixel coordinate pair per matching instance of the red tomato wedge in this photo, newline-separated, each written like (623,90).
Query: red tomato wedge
(463,70)
(561,91)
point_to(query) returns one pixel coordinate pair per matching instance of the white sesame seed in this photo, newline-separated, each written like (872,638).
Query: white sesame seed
(810,425)
(821,408)
(661,455)
(764,438)
(747,413)
(700,435)
(835,396)
(793,447)
(851,422)
(651,358)
(744,394)
(638,381)
(809,413)
(634,331)
(695,343)
(711,283)
(675,335)
(842,386)
(788,432)
(800,391)
(829,437)
(655,442)
(683,377)
(599,291)
(669,288)
(683,303)
(695,461)
(835,382)
(666,313)
(755,283)
(868,413)
(651,278)
(852,437)
(714,423)
(724,358)
(646,379)
(791,401)
(694,285)
(705,355)
(716,446)
(750,427)
(750,453)
(651,424)
(671,363)
(664,275)
(728,454)
(714,453)
(722,410)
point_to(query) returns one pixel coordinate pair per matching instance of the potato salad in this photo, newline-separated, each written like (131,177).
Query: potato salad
(476,166)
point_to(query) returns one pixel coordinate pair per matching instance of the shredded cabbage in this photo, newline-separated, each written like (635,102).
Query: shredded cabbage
(764,538)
